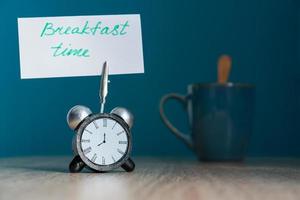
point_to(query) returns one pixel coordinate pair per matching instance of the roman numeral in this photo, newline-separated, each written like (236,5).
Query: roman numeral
(94,158)
(90,132)
(113,159)
(120,133)
(122,142)
(95,124)
(120,151)
(114,125)
(103,160)
(87,150)
(83,140)
(104,122)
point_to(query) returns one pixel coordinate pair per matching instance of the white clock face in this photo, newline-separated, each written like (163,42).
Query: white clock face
(104,141)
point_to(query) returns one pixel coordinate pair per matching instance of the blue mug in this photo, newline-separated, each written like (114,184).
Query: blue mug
(220,118)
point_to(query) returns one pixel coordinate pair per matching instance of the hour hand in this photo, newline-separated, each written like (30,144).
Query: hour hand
(103,141)
(100,143)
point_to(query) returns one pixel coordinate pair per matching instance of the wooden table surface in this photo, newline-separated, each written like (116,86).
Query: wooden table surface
(38,178)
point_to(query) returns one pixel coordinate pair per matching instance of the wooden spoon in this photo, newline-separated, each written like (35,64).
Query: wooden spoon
(224,67)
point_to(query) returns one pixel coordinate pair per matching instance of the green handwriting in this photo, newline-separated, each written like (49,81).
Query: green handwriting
(116,30)
(59,50)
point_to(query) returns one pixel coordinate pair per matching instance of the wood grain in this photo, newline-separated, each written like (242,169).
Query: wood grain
(47,178)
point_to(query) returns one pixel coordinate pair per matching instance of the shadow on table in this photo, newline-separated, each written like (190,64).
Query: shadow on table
(60,169)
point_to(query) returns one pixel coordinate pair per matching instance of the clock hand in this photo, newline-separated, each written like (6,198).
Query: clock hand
(100,143)
(103,141)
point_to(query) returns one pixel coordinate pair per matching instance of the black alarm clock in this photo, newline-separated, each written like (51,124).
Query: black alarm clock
(102,141)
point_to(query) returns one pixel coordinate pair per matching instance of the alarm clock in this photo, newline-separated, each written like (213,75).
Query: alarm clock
(102,141)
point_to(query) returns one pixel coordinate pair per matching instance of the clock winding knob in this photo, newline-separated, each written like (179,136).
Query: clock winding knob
(124,114)
(76,115)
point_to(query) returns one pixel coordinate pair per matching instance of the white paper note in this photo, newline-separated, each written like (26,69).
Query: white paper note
(79,45)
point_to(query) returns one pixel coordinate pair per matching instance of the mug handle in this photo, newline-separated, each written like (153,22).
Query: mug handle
(182,99)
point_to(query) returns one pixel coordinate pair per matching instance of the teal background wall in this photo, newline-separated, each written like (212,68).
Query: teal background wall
(182,41)
(297,74)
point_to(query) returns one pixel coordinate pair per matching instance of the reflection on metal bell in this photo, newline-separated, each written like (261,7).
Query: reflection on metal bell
(76,115)
(124,114)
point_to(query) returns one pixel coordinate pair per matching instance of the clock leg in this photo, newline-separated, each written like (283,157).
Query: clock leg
(76,164)
(129,165)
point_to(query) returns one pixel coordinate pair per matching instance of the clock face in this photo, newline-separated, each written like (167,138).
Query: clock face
(104,141)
